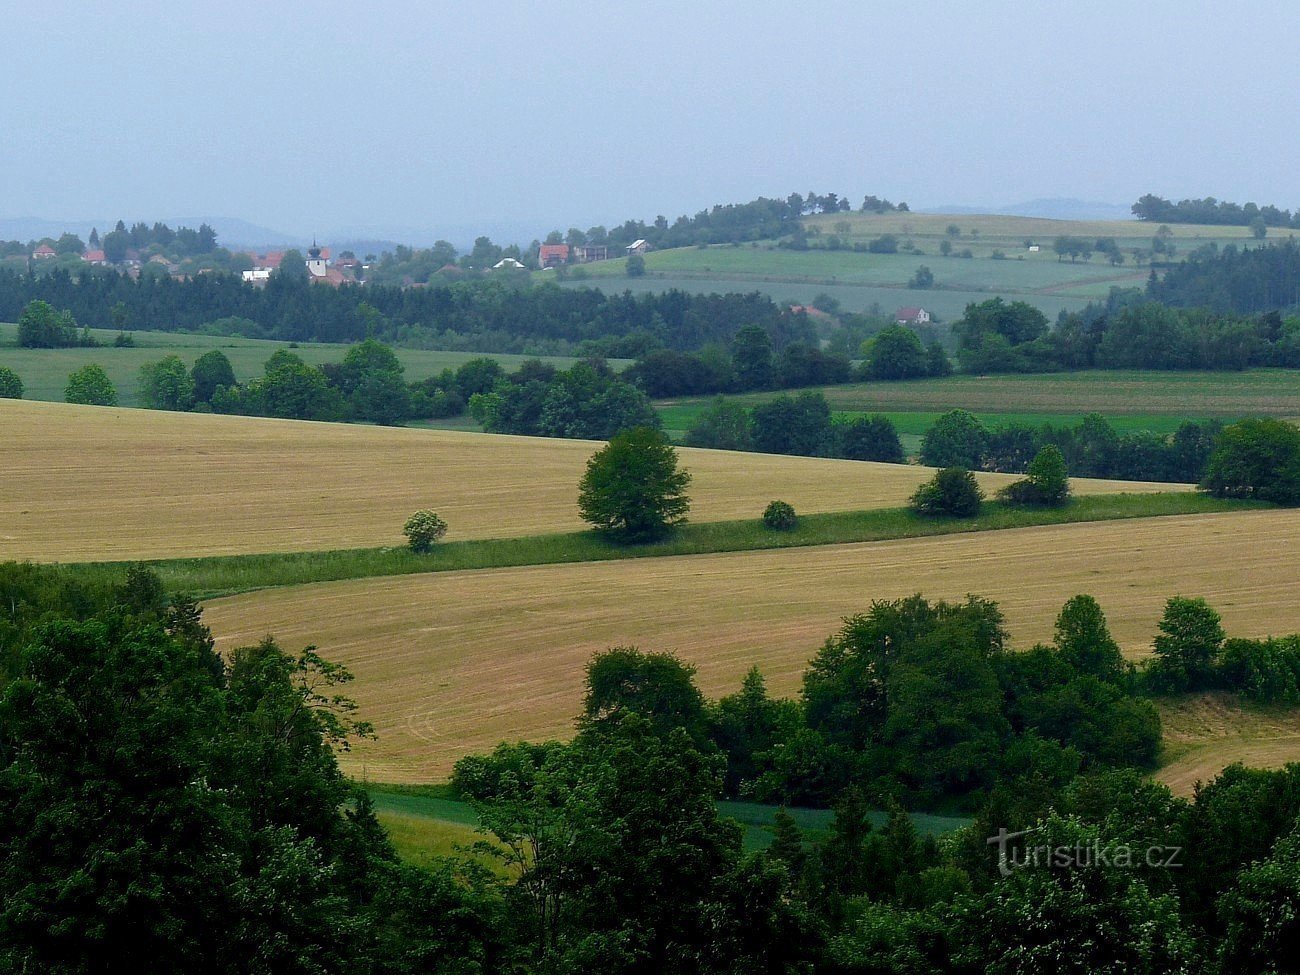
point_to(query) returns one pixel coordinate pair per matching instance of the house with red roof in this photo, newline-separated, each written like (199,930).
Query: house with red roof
(911,315)
(44,253)
(552,255)
(94,257)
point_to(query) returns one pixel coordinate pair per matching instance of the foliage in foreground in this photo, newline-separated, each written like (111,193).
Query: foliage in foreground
(164,809)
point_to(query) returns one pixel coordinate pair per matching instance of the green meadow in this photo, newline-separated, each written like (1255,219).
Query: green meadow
(427,821)
(44,372)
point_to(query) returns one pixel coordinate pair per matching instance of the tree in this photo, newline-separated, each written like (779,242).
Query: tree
(1086,916)
(383,398)
(1187,647)
(799,425)
(632,489)
(922,278)
(116,244)
(1083,640)
(1260,915)
(952,491)
(11,387)
(166,384)
(957,439)
(211,370)
(293,268)
(90,386)
(1256,459)
(780,516)
(896,353)
(751,352)
(635,266)
(1047,481)
(41,327)
(723,425)
(422,530)
(872,438)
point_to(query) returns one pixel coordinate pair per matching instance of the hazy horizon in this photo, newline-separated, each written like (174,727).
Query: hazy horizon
(408,122)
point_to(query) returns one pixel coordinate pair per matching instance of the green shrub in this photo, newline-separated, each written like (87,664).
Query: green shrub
(1047,482)
(422,529)
(780,516)
(952,491)
(90,386)
(11,387)
(1256,459)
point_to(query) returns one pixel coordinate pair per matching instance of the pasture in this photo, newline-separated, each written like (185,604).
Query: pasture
(948,305)
(1130,400)
(860,280)
(86,484)
(454,662)
(44,372)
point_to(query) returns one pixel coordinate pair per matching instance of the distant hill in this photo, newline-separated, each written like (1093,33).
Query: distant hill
(1054,208)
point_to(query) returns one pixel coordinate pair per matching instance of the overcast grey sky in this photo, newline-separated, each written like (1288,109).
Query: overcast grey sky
(399,115)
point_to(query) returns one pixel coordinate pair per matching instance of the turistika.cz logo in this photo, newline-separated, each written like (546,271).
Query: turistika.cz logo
(1092,854)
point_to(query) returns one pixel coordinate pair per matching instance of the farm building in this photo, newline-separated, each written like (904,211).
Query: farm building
(552,255)
(639,246)
(911,315)
(590,252)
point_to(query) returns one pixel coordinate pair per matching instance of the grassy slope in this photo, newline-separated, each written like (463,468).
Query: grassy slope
(424,823)
(1205,732)
(1131,400)
(44,372)
(227,575)
(859,280)
(455,662)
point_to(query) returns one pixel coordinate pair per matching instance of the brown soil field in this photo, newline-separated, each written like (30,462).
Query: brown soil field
(87,484)
(452,663)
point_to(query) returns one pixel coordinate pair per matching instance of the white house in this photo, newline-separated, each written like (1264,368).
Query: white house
(912,316)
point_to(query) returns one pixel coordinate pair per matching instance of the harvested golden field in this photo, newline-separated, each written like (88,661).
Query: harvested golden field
(1208,732)
(95,484)
(450,663)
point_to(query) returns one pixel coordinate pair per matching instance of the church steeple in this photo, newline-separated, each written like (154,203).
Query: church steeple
(313,252)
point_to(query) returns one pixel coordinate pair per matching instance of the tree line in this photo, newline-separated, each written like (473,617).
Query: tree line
(1156,209)
(1127,331)
(1232,280)
(482,315)
(166,808)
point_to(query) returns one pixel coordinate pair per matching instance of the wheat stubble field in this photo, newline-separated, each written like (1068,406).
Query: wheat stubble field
(97,484)
(452,663)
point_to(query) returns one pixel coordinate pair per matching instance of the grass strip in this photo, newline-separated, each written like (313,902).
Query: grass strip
(210,577)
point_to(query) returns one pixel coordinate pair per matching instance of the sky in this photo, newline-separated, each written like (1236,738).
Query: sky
(419,120)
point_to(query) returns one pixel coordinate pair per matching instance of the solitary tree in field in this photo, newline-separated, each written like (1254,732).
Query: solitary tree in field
(633,489)
(422,529)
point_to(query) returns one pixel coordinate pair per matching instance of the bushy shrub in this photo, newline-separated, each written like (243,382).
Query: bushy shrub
(422,529)
(952,491)
(780,516)
(11,387)
(1047,483)
(1256,459)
